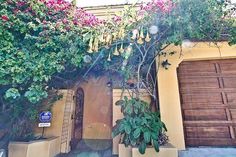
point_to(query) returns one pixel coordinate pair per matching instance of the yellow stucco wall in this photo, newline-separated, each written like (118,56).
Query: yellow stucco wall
(165,151)
(41,148)
(58,112)
(168,88)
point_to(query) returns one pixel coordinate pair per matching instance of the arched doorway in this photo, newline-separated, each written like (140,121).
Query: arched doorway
(77,133)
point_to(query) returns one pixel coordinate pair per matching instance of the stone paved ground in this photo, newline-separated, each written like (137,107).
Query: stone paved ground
(91,148)
(100,148)
(208,152)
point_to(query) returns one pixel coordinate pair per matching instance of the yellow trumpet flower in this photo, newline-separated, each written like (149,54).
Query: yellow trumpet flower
(134,34)
(141,34)
(128,51)
(147,39)
(109,57)
(114,36)
(121,50)
(121,33)
(109,39)
(101,38)
(140,41)
(95,45)
(90,50)
(116,52)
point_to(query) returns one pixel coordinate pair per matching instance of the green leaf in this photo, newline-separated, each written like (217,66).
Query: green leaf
(164,126)
(120,102)
(147,137)
(142,148)
(12,93)
(156,145)
(137,133)
(115,132)
(127,129)
(154,135)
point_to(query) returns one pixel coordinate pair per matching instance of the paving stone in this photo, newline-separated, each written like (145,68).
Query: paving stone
(208,152)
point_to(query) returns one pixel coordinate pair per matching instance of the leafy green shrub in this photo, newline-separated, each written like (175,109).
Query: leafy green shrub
(140,127)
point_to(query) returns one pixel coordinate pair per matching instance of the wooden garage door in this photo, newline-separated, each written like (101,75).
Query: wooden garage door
(208,98)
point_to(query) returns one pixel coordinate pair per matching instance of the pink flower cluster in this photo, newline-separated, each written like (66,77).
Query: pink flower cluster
(117,19)
(58,5)
(158,5)
(4,17)
(81,17)
(85,19)
(153,6)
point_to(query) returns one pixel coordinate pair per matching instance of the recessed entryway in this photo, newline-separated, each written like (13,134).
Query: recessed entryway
(208,101)
(92,118)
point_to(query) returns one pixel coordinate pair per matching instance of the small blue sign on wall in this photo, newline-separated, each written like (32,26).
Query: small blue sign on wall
(45,117)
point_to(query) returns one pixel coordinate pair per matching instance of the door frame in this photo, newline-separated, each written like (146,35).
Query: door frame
(169,98)
(74,114)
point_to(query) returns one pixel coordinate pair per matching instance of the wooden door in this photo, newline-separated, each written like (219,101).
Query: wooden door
(97,109)
(208,99)
(78,118)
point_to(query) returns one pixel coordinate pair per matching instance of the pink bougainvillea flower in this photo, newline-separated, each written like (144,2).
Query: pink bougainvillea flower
(65,21)
(117,19)
(20,4)
(5,18)
(158,5)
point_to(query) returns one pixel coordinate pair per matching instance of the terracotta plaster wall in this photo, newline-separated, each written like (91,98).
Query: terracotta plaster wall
(97,109)
(169,98)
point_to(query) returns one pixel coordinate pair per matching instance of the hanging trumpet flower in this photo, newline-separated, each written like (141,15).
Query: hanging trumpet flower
(114,36)
(121,50)
(95,45)
(116,52)
(141,34)
(147,39)
(101,38)
(134,34)
(108,39)
(109,57)
(90,50)
(121,33)
(128,51)
(140,41)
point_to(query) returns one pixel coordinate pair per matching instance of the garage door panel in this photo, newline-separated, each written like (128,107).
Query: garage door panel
(231,97)
(196,106)
(233,114)
(227,67)
(205,114)
(208,101)
(229,82)
(207,132)
(202,98)
(199,83)
(194,68)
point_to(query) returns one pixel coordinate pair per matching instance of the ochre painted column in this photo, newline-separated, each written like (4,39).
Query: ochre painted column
(170,107)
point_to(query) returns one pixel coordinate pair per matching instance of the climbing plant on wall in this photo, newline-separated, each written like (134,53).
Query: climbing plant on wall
(42,40)
(37,40)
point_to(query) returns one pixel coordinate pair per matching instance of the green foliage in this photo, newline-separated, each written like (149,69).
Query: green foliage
(33,48)
(140,126)
(197,20)
(35,45)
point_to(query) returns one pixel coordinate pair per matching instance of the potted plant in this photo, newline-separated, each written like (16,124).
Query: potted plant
(140,128)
